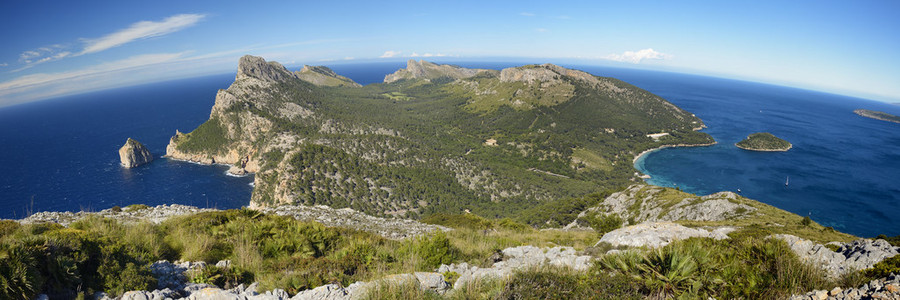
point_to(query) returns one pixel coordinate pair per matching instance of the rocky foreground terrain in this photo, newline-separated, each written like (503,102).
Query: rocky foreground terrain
(346,217)
(856,255)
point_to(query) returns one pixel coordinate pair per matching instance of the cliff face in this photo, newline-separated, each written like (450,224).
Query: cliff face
(418,146)
(235,121)
(134,154)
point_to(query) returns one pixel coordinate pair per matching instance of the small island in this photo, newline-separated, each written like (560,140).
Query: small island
(764,141)
(134,154)
(877,115)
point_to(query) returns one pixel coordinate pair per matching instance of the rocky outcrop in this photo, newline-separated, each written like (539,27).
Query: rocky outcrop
(427,70)
(257,67)
(854,256)
(654,235)
(882,288)
(644,203)
(349,218)
(516,258)
(134,154)
(323,76)
(547,73)
(252,87)
(346,217)
(129,214)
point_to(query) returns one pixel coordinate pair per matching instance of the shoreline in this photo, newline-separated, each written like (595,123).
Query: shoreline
(227,172)
(645,176)
(765,150)
(637,157)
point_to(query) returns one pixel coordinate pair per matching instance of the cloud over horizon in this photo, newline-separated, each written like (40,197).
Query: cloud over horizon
(137,31)
(390,53)
(49,84)
(637,57)
(141,30)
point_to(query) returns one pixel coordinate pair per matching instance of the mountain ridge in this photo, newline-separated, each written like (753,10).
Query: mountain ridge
(416,145)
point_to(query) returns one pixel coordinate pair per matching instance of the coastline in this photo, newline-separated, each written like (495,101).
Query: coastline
(765,150)
(229,172)
(648,151)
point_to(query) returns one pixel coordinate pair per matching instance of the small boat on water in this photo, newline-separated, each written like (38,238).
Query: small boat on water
(787,181)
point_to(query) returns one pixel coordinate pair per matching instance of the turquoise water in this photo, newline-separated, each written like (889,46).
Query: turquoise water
(61,154)
(843,169)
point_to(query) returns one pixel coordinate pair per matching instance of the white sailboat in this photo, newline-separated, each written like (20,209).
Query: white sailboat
(787,181)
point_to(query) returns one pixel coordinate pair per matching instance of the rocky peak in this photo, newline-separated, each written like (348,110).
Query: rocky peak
(257,67)
(319,69)
(134,154)
(428,70)
(544,73)
(324,76)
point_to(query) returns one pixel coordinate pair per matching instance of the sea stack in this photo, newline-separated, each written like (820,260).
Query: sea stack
(134,154)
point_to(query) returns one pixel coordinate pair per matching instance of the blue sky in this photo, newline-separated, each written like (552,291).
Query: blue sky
(53,48)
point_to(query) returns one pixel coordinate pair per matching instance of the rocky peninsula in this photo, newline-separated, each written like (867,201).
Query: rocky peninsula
(134,154)
(764,141)
(877,115)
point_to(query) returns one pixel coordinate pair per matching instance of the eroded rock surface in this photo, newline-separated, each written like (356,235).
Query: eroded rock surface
(853,256)
(654,235)
(134,154)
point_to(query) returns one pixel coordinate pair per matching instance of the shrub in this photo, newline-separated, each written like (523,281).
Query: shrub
(894,240)
(746,268)
(806,221)
(8,226)
(226,278)
(884,268)
(19,276)
(603,223)
(549,282)
(434,250)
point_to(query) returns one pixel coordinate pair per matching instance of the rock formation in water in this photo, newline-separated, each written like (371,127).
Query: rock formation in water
(134,154)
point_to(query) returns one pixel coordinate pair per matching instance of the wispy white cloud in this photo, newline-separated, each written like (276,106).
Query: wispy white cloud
(637,57)
(41,55)
(3,64)
(527,14)
(390,53)
(428,55)
(542,30)
(49,84)
(348,58)
(141,30)
(137,31)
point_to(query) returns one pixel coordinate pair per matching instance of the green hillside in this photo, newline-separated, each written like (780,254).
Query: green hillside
(556,133)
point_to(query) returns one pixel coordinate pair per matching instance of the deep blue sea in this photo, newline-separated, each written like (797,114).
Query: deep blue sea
(61,154)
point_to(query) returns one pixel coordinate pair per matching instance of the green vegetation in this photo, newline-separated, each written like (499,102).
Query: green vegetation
(746,268)
(763,141)
(209,137)
(97,254)
(884,268)
(397,96)
(878,115)
(603,223)
(554,214)
(415,147)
